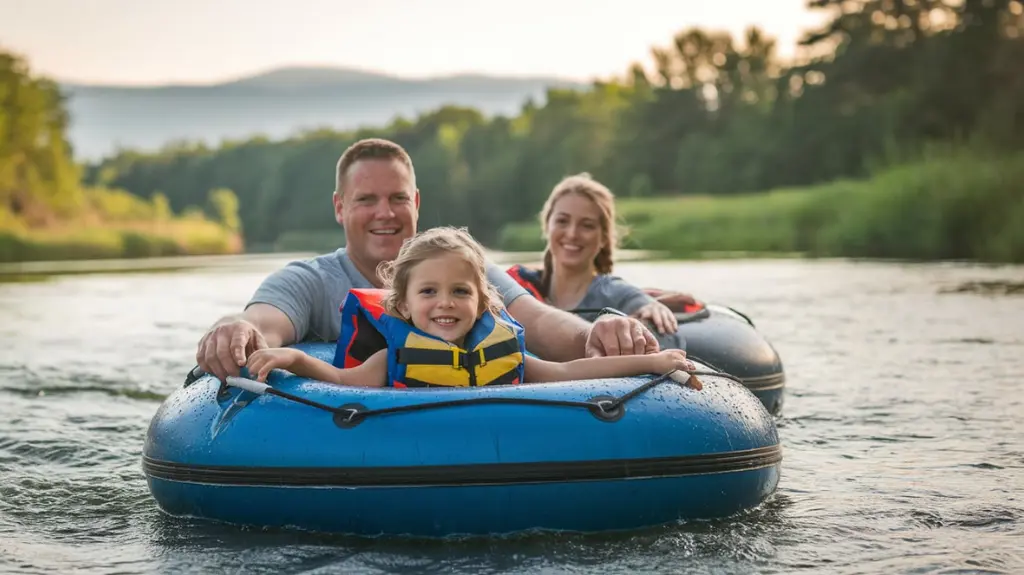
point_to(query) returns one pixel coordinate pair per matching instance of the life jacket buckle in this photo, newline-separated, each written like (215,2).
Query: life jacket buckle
(483,358)
(456,363)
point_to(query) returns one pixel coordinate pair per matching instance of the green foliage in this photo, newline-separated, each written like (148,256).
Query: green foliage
(115,205)
(953,207)
(161,207)
(180,237)
(958,205)
(45,212)
(38,180)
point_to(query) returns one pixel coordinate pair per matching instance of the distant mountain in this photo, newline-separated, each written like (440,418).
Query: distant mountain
(276,104)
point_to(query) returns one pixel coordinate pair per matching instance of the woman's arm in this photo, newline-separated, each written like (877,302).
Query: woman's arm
(372,373)
(635,302)
(675,301)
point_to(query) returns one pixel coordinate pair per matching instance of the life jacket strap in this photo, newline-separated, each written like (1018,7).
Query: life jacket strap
(456,358)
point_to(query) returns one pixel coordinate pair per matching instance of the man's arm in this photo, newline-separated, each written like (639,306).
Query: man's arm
(278,315)
(556,335)
(508,288)
(272,323)
(551,333)
(226,346)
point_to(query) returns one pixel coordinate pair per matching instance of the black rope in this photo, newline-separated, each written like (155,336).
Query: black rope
(586,310)
(305,401)
(599,407)
(474,401)
(638,390)
(728,376)
(692,357)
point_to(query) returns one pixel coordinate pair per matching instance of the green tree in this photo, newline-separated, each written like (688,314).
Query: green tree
(223,206)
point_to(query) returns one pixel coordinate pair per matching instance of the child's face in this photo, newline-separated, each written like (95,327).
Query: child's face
(442,298)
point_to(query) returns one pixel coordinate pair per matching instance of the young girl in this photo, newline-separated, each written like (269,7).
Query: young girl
(442,326)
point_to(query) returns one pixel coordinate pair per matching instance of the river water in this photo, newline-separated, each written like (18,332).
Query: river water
(902,431)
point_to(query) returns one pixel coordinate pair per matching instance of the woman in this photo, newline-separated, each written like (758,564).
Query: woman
(578,221)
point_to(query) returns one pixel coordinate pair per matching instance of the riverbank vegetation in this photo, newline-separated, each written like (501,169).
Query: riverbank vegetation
(952,205)
(47,213)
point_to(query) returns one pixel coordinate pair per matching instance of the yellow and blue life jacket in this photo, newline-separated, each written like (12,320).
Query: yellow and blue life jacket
(494,352)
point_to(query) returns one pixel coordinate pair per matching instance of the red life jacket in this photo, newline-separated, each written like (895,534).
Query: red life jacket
(528,278)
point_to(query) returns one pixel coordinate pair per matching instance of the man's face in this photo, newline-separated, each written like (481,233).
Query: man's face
(379,209)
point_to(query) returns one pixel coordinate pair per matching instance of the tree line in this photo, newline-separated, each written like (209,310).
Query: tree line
(48,212)
(712,114)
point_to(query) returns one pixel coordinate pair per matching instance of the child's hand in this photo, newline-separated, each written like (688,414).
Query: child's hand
(675,359)
(671,359)
(263,360)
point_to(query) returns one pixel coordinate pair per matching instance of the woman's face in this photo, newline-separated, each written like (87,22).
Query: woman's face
(574,231)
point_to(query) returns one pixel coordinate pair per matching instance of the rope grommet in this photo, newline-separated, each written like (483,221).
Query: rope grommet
(349,415)
(606,408)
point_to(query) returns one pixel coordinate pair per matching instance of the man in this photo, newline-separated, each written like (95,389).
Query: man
(377,202)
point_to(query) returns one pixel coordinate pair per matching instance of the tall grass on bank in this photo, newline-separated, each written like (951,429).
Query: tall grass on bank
(112,224)
(186,237)
(950,206)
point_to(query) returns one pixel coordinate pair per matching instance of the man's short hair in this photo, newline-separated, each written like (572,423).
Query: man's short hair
(371,149)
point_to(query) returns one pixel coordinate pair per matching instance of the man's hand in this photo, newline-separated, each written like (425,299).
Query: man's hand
(227,346)
(616,335)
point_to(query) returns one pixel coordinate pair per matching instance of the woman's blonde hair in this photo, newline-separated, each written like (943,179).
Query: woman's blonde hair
(428,245)
(586,186)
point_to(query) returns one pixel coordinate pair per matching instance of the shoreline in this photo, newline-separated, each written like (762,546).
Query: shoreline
(152,264)
(23,271)
(174,263)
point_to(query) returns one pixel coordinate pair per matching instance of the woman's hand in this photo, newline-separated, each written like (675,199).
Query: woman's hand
(262,361)
(675,301)
(660,315)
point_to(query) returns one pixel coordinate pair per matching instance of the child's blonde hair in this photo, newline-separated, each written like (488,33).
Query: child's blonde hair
(431,244)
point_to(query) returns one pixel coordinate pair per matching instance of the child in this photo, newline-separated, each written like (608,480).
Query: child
(443,326)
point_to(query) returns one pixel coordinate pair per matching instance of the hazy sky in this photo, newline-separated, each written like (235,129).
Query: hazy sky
(156,41)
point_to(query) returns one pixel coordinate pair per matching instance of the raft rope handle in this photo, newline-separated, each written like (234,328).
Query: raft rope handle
(604,407)
(261,388)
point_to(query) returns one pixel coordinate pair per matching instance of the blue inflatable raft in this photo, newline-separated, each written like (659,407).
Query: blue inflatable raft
(582,456)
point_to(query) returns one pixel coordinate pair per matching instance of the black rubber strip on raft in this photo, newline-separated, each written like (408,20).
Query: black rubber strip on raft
(464,475)
(764,382)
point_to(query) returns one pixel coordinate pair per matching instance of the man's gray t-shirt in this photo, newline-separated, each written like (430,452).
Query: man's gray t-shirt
(310,292)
